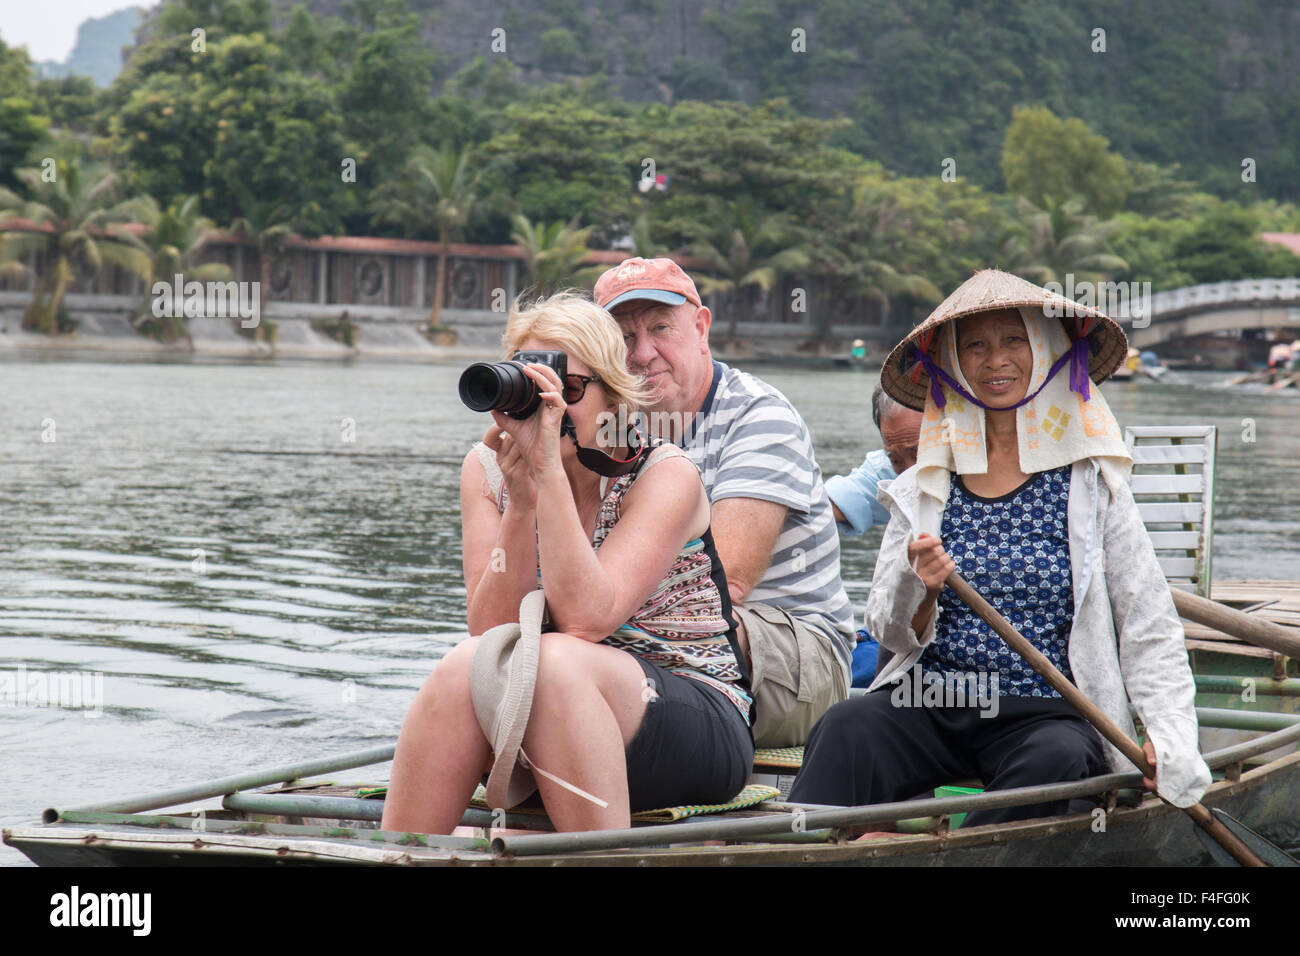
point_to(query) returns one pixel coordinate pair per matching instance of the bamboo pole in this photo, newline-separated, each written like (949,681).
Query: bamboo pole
(247,781)
(1247,627)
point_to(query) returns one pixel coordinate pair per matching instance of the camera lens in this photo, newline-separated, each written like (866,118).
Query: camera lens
(502,386)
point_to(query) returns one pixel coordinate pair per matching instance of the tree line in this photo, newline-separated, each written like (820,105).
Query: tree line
(305,124)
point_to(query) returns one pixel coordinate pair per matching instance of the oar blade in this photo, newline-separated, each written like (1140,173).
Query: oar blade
(1266,850)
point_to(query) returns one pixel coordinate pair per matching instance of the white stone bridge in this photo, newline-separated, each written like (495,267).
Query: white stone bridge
(1217,307)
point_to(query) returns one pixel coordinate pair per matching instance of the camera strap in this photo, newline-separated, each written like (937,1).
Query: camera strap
(598,461)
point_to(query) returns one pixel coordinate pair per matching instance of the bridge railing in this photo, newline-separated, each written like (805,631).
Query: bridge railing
(1245,291)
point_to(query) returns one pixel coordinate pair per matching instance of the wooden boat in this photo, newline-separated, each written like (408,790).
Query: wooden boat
(324,824)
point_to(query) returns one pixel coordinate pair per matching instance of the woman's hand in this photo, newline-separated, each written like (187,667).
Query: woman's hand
(1149,749)
(514,469)
(530,448)
(932,563)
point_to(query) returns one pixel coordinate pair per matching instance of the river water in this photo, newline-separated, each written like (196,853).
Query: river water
(263,560)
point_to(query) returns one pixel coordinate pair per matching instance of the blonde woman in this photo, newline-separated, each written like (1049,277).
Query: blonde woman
(639,701)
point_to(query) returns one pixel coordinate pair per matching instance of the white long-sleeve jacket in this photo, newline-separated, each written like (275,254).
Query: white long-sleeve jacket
(1126,641)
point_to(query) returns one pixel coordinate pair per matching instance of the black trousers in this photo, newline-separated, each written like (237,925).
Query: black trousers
(867,750)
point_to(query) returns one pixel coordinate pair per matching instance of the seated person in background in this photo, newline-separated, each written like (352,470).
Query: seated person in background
(856,508)
(1022,477)
(853,496)
(771,517)
(638,697)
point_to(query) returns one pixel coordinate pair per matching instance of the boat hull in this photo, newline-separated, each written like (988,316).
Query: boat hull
(1152,834)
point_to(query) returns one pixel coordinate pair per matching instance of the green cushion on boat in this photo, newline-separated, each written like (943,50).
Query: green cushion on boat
(751,796)
(781,758)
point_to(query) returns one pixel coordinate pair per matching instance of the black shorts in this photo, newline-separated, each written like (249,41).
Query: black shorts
(693,746)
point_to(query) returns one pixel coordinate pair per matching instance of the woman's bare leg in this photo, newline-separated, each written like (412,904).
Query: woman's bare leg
(441,753)
(587,706)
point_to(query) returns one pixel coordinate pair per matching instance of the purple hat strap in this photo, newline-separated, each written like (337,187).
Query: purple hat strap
(1076,355)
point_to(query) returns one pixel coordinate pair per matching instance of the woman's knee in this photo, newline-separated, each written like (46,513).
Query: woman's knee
(566,663)
(1059,750)
(450,676)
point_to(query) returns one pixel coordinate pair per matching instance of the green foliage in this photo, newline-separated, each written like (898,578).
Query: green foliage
(700,79)
(553,254)
(21,130)
(560,49)
(564,154)
(1045,158)
(229,119)
(1222,245)
(1058,239)
(745,247)
(384,96)
(81,206)
(71,102)
(833,161)
(177,239)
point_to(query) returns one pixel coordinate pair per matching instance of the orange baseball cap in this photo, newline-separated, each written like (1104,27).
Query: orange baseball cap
(659,280)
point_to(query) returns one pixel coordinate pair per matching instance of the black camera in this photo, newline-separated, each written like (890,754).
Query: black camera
(505,387)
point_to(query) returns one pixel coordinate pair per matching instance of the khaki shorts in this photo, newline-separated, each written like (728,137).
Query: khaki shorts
(796,675)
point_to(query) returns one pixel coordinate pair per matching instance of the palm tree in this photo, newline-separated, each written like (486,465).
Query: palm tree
(441,187)
(268,224)
(878,229)
(553,253)
(643,243)
(746,246)
(77,215)
(178,237)
(1048,243)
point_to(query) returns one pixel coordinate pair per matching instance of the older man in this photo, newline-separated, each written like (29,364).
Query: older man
(853,496)
(856,507)
(771,519)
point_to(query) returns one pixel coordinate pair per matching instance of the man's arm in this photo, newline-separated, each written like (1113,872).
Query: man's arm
(745,531)
(853,496)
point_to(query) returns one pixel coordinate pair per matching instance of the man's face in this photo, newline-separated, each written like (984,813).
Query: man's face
(900,429)
(669,345)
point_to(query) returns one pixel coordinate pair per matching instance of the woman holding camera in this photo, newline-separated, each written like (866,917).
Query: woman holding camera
(638,701)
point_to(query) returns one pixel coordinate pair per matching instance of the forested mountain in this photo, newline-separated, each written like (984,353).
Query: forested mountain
(1202,84)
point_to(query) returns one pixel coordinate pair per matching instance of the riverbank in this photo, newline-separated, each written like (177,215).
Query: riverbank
(295,339)
(298,340)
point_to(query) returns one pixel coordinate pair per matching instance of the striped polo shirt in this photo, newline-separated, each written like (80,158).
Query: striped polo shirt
(749,442)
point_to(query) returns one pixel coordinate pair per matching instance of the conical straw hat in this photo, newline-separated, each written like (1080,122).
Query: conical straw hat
(986,291)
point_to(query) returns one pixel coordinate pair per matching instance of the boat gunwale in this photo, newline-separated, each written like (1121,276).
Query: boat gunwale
(128,835)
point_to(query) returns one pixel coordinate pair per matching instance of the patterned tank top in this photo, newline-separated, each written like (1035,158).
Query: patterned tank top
(684,626)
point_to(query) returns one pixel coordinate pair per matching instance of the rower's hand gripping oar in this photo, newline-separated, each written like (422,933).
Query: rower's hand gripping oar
(1105,726)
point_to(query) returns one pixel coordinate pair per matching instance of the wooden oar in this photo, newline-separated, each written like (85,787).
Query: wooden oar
(1107,727)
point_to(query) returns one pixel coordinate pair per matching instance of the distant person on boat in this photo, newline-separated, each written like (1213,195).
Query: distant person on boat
(854,501)
(1021,484)
(638,700)
(858,353)
(1280,357)
(771,517)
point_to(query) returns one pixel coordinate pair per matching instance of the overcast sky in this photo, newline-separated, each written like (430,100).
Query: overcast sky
(48,28)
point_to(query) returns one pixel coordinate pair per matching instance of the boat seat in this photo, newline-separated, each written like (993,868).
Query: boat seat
(1173,485)
(748,798)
